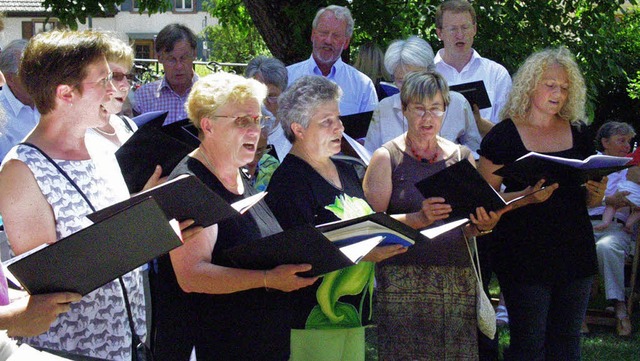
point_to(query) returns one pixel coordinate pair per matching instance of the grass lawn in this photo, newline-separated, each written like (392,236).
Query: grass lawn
(602,343)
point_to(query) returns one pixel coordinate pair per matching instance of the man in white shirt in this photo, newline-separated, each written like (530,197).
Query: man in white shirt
(21,113)
(331,33)
(459,63)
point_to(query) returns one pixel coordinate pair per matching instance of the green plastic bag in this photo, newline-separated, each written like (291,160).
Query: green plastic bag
(341,344)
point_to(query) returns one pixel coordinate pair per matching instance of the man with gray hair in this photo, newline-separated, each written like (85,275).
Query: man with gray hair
(331,33)
(19,108)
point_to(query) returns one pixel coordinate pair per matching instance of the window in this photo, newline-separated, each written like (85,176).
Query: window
(184,5)
(37,26)
(135,5)
(143,49)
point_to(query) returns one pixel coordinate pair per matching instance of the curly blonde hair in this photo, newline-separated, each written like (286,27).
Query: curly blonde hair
(528,77)
(215,90)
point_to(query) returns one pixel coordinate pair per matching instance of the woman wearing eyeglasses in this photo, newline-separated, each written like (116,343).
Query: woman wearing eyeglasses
(426,300)
(227,313)
(104,141)
(120,127)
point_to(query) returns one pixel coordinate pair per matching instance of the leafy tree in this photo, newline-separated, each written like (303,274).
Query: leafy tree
(234,38)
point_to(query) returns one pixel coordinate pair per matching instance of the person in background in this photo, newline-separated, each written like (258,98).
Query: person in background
(104,141)
(370,61)
(263,165)
(331,33)
(43,200)
(402,57)
(20,111)
(272,73)
(544,254)
(459,63)
(613,244)
(415,312)
(227,312)
(176,48)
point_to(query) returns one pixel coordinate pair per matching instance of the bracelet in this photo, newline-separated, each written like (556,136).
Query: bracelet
(482,232)
(264,279)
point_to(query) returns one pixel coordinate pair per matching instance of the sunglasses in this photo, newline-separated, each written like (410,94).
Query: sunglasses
(118,76)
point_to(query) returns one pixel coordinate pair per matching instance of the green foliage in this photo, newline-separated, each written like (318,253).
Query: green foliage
(634,87)
(606,45)
(235,38)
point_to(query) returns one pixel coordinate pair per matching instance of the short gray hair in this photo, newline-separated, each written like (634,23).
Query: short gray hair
(11,55)
(340,12)
(411,52)
(298,103)
(272,71)
(611,128)
(422,85)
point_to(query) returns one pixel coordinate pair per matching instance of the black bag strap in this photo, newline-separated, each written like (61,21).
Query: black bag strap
(126,123)
(135,338)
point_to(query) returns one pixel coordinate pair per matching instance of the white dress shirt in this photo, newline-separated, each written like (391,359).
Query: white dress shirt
(496,79)
(458,124)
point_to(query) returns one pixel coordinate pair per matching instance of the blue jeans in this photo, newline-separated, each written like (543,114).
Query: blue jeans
(545,320)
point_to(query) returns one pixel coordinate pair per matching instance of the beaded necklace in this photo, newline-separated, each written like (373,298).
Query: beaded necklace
(415,153)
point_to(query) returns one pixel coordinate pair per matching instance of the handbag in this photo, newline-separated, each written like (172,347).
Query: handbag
(485,312)
(140,351)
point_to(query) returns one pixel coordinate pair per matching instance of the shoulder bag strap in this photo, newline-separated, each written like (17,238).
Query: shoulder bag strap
(135,337)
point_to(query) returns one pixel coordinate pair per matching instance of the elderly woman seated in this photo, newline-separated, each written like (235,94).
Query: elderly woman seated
(226,312)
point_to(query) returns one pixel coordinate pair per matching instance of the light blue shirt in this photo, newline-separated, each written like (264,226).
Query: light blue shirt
(20,120)
(359,93)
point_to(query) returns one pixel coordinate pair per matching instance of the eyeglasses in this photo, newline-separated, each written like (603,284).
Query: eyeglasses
(247,121)
(433,113)
(119,76)
(464,29)
(173,61)
(103,82)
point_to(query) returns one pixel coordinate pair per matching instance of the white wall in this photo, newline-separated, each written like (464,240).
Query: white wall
(123,23)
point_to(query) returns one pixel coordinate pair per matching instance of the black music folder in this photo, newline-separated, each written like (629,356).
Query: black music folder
(533,166)
(357,125)
(184,197)
(463,188)
(98,254)
(327,247)
(475,93)
(154,144)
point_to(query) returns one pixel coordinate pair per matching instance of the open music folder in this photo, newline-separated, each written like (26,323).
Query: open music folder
(98,254)
(327,247)
(464,189)
(533,166)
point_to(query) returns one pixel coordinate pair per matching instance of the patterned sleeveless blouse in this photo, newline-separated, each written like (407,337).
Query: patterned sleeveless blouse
(98,325)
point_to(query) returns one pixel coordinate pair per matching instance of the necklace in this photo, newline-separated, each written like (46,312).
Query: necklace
(417,155)
(105,133)
(206,159)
